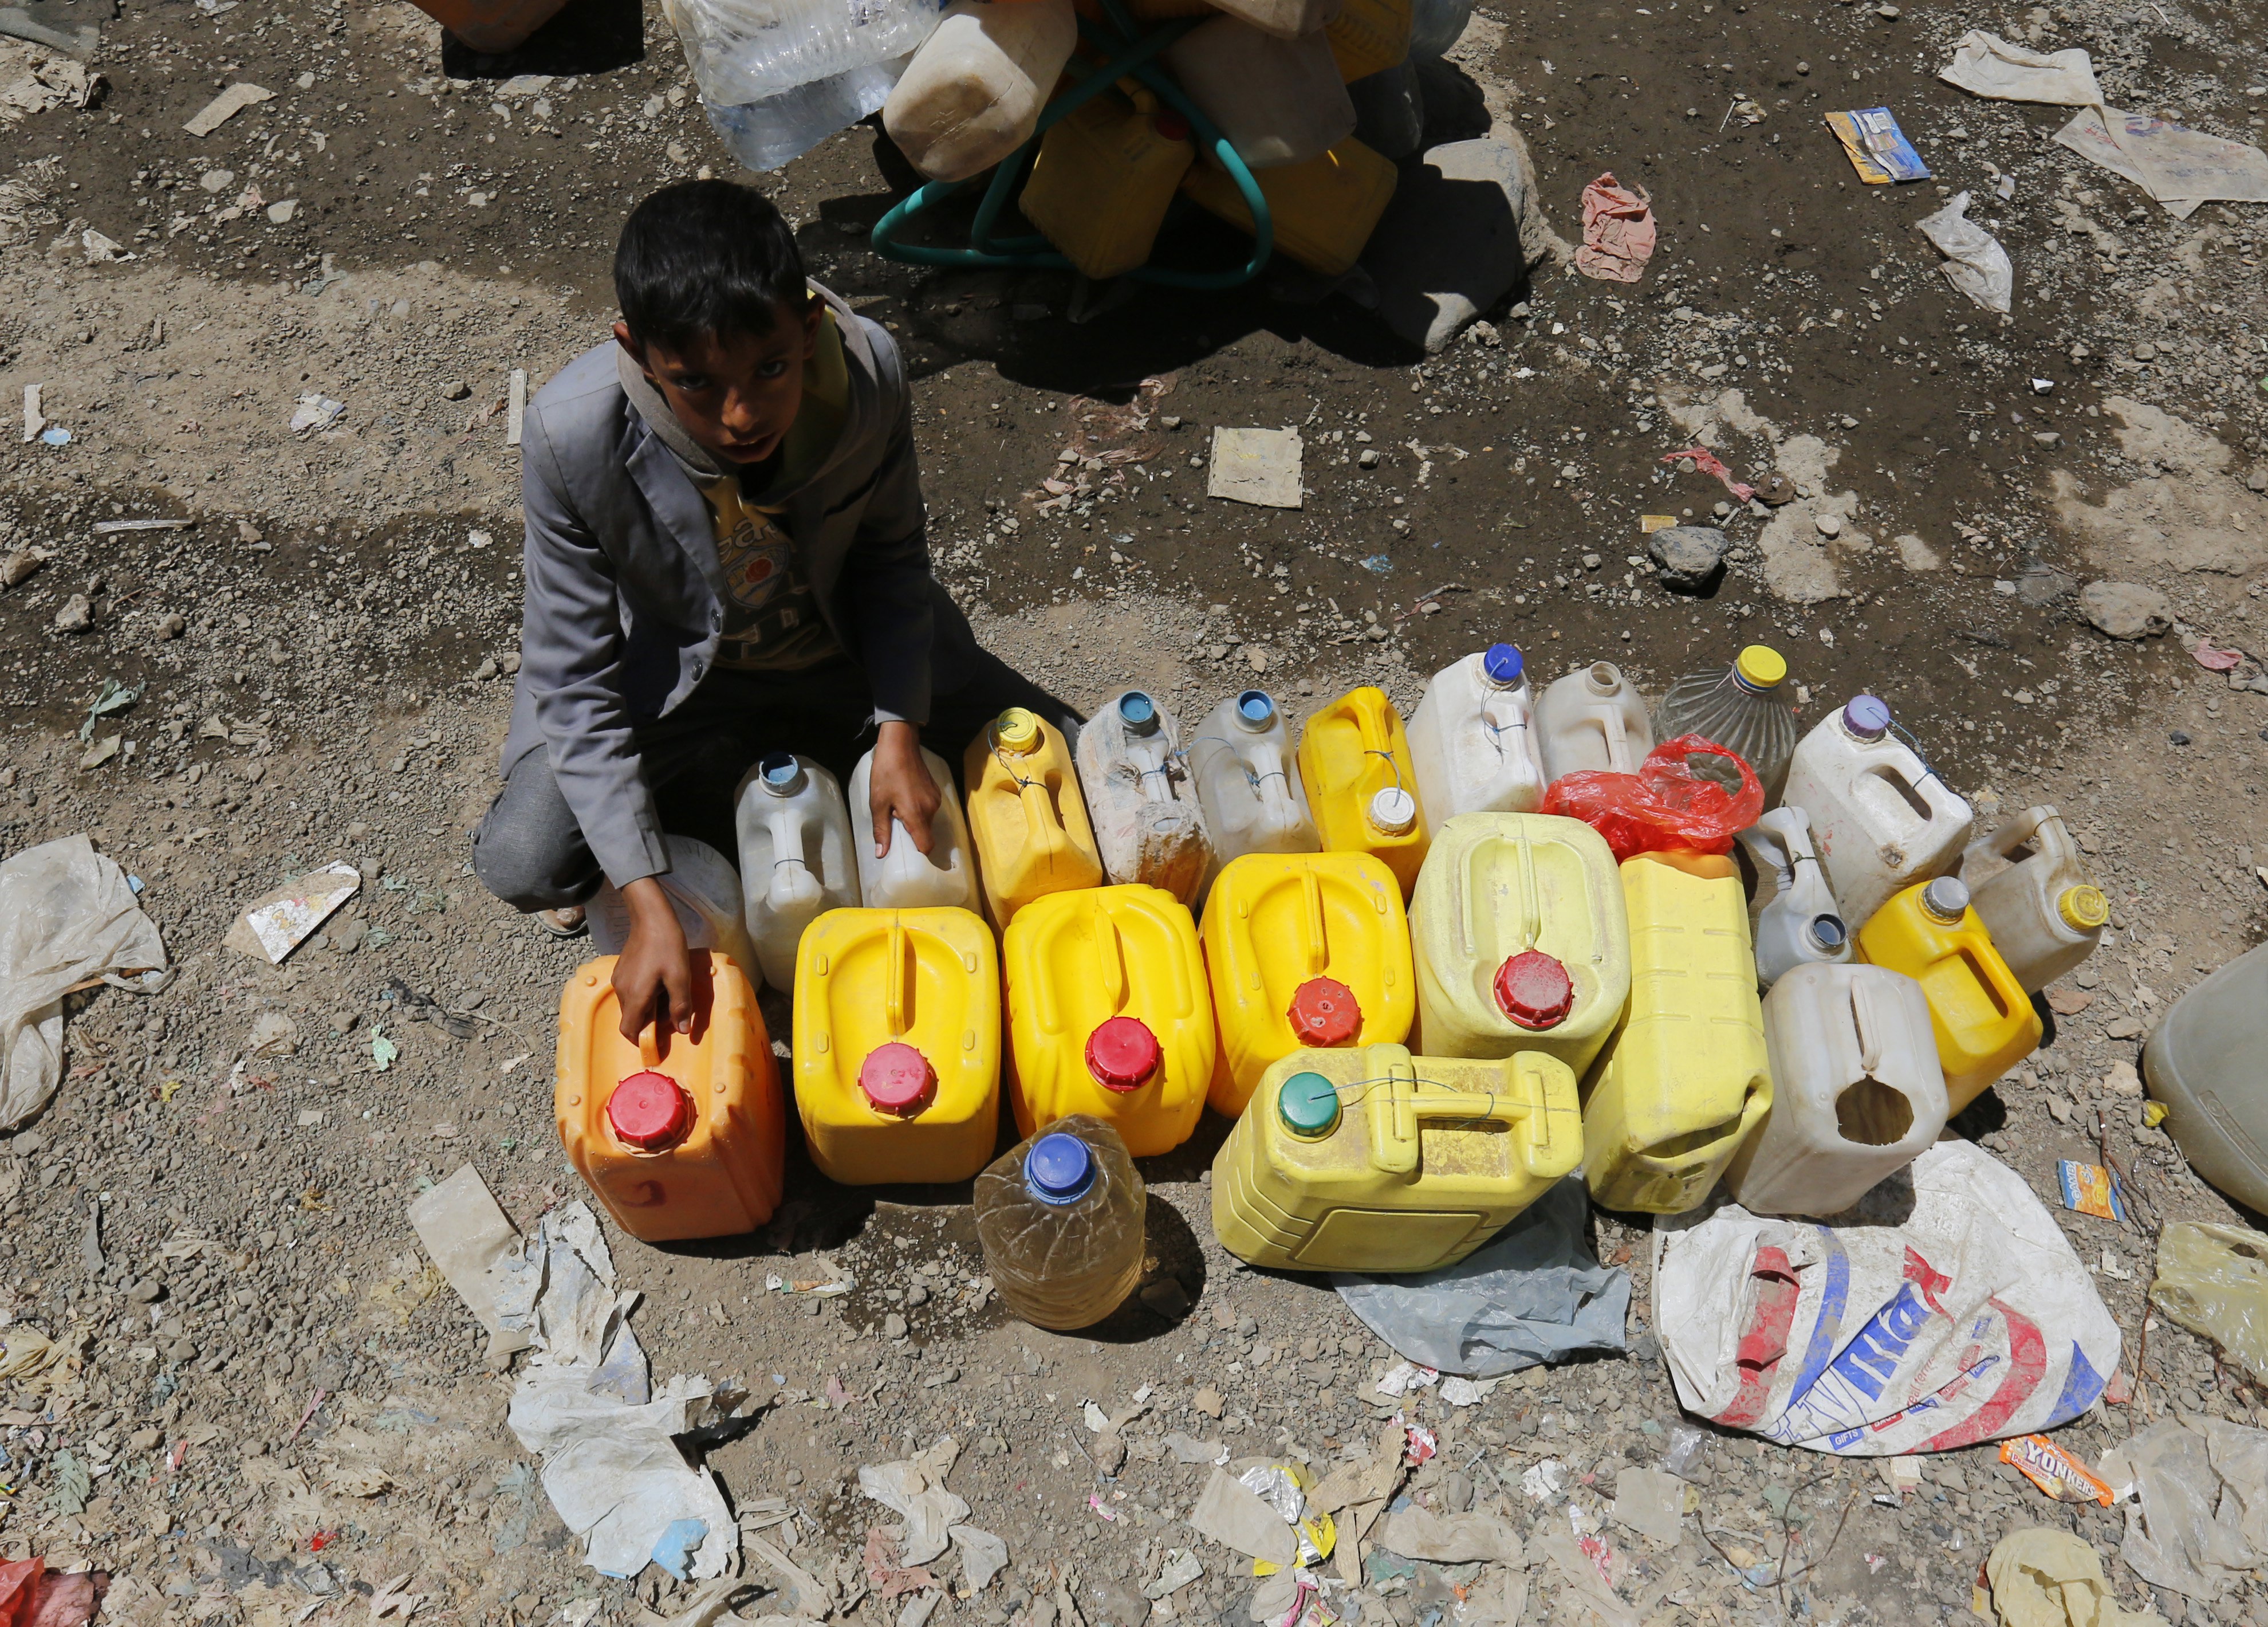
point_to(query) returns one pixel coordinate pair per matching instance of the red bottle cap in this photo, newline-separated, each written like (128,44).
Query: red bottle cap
(649,1111)
(1172,126)
(1534,990)
(1122,1054)
(1324,1011)
(895,1077)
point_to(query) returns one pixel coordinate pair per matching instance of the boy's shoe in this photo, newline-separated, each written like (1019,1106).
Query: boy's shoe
(563,923)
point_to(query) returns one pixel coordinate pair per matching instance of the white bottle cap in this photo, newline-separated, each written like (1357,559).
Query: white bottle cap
(1394,811)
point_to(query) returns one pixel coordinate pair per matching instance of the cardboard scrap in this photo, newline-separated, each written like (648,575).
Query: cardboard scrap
(1256,466)
(225,106)
(275,925)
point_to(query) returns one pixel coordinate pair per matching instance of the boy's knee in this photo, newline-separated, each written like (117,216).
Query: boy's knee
(530,875)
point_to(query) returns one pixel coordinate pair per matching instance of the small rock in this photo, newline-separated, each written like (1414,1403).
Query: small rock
(146,1291)
(918,1294)
(281,213)
(1463,231)
(19,566)
(77,615)
(1368,457)
(894,1326)
(218,180)
(508,664)
(180,1351)
(1687,558)
(486,670)
(2126,610)
(173,625)
(1170,421)
(2043,584)
(1168,1298)
(2179,737)
(2122,1080)
(1828,524)
(143,1440)
(2257,480)
(1209,1401)
(456,389)
(2124,1028)
(1109,1451)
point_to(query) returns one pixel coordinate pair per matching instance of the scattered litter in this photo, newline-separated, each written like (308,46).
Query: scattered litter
(100,250)
(1406,1377)
(1974,261)
(2214,1280)
(1648,524)
(2090,1189)
(52,82)
(316,412)
(515,407)
(2055,1471)
(1707,462)
(1878,149)
(1544,1482)
(1187,1449)
(2179,168)
(2199,1519)
(1902,1474)
(474,1246)
(274,926)
(225,106)
(110,527)
(112,697)
(1181,1567)
(1460,1392)
(1947,1309)
(32,1595)
(54,435)
(1985,64)
(26,1353)
(913,1490)
(2051,1579)
(1689,794)
(1618,231)
(2213,659)
(1418,1532)
(1235,1517)
(67,917)
(1579,1572)
(1533,1292)
(1650,1502)
(984,1556)
(1377,564)
(1256,466)
(35,418)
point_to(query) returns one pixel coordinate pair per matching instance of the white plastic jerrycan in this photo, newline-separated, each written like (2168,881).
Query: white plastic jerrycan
(972,93)
(1472,740)
(704,891)
(795,856)
(1882,819)
(1142,799)
(1248,781)
(906,878)
(1857,1091)
(1798,924)
(2045,912)
(1592,718)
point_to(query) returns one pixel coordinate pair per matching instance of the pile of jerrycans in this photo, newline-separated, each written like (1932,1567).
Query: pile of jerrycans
(1422,1000)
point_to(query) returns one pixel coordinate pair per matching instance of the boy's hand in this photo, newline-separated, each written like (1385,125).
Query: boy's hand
(655,960)
(900,787)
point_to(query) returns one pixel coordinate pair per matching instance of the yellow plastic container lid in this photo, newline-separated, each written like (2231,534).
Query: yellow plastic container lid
(1760,666)
(2083,908)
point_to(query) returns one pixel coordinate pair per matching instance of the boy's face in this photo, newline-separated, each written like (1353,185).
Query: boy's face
(736,394)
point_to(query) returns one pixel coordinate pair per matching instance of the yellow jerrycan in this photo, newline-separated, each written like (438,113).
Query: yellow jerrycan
(1323,211)
(1109,1014)
(1026,816)
(1104,178)
(1521,938)
(1984,1021)
(1354,761)
(1303,949)
(897,1044)
(1375,1160)
(1686,1078)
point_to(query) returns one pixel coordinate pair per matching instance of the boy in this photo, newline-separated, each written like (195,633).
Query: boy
(724,558)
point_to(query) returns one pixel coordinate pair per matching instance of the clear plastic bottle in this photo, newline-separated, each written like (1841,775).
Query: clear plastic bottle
(1060,1218)
(774,131)
(1741,708)
(749,51)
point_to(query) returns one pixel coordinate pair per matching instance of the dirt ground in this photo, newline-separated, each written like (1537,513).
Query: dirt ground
(280,1412)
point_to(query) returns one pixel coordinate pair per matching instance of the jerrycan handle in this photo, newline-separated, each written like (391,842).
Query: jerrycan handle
(1398,1104)
(1110,952)
(2032,824)
(1610,724)
(1043,820)
(894,998)
(1316,949)
(650,1046)
(1867,1019)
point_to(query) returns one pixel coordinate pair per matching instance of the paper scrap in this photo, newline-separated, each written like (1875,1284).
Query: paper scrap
(1256,466)
(1975,262)
(275,925)
(225,106)
(1878,149)
(2090,1189)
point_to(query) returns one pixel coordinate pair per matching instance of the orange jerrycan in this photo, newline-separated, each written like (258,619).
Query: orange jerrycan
(897,1044)
(1354,761)
(1109,1014)
(1375,1160)
(1303,949)
(680,1136)
(1984,1021)
(1027,814)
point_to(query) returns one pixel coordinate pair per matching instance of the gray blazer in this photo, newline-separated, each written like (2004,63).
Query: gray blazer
(623,587)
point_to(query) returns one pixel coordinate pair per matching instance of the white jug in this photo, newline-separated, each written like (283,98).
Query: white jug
(795,856)
(1592,718)
(1248,781)
(1148,824)
(2045,914)
(1857,1091)
(1797,922)
(1882,819)
(905,878)
(1472,740)
(703,889)
(972,94)
(1278,101)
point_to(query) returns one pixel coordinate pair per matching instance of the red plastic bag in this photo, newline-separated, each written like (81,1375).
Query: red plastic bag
(19,1588)
(1689,794)
(32,1595)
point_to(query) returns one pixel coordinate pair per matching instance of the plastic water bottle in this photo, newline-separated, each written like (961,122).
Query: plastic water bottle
(796,856)
(1741,708)
(1060,1218)
(769,134)
(1437,24)
(1472,740)
(750,51)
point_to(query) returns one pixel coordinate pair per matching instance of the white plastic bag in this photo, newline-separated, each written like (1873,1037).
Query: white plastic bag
(1974,261)
(1946,1310)
(67,914)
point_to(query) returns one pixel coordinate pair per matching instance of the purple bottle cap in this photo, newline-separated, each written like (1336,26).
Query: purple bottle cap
(1867,716)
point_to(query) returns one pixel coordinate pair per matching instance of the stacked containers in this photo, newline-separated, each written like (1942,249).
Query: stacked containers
(1105,176)
(1109,1015)
(1026,814)
(1472,740)
(1880,818)
(1302,950)
(680,1136)
(1354,761)
(1375,1160)
(897,1044)
(1149,827)
(1521,939)
(1983,1020)
(1686,1078)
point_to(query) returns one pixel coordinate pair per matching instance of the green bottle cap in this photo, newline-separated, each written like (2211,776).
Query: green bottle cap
(1309,1104)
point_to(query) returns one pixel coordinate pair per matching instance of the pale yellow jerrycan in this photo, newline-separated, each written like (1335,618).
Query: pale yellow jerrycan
(1027,814)
(1522,941)
(1375,1160)
(1686,1078)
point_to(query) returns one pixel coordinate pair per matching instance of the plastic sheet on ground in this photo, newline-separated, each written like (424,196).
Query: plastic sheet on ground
(1533,1293)
(2051,1579)
(913,1490)
(2214,1280)
(1946,1309)
(66,916)
(1985,64)
(1618,231)
(474,1246)
(2199,1517)
(1974,261)
(2180,167)
(1418,1532)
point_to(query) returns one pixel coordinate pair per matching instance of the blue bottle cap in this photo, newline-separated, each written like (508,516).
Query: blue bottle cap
(1254,709)
(1867,716)
(1058,1169)
(1138,712)
(780,771)
(1309,1104)
(1504,664)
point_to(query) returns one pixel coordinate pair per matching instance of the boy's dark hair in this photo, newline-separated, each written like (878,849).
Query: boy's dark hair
(706,257)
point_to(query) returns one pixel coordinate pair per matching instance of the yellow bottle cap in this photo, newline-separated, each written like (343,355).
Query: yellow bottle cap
(1017,730)
(2155,1113)
(1760,666)
(2083,909)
